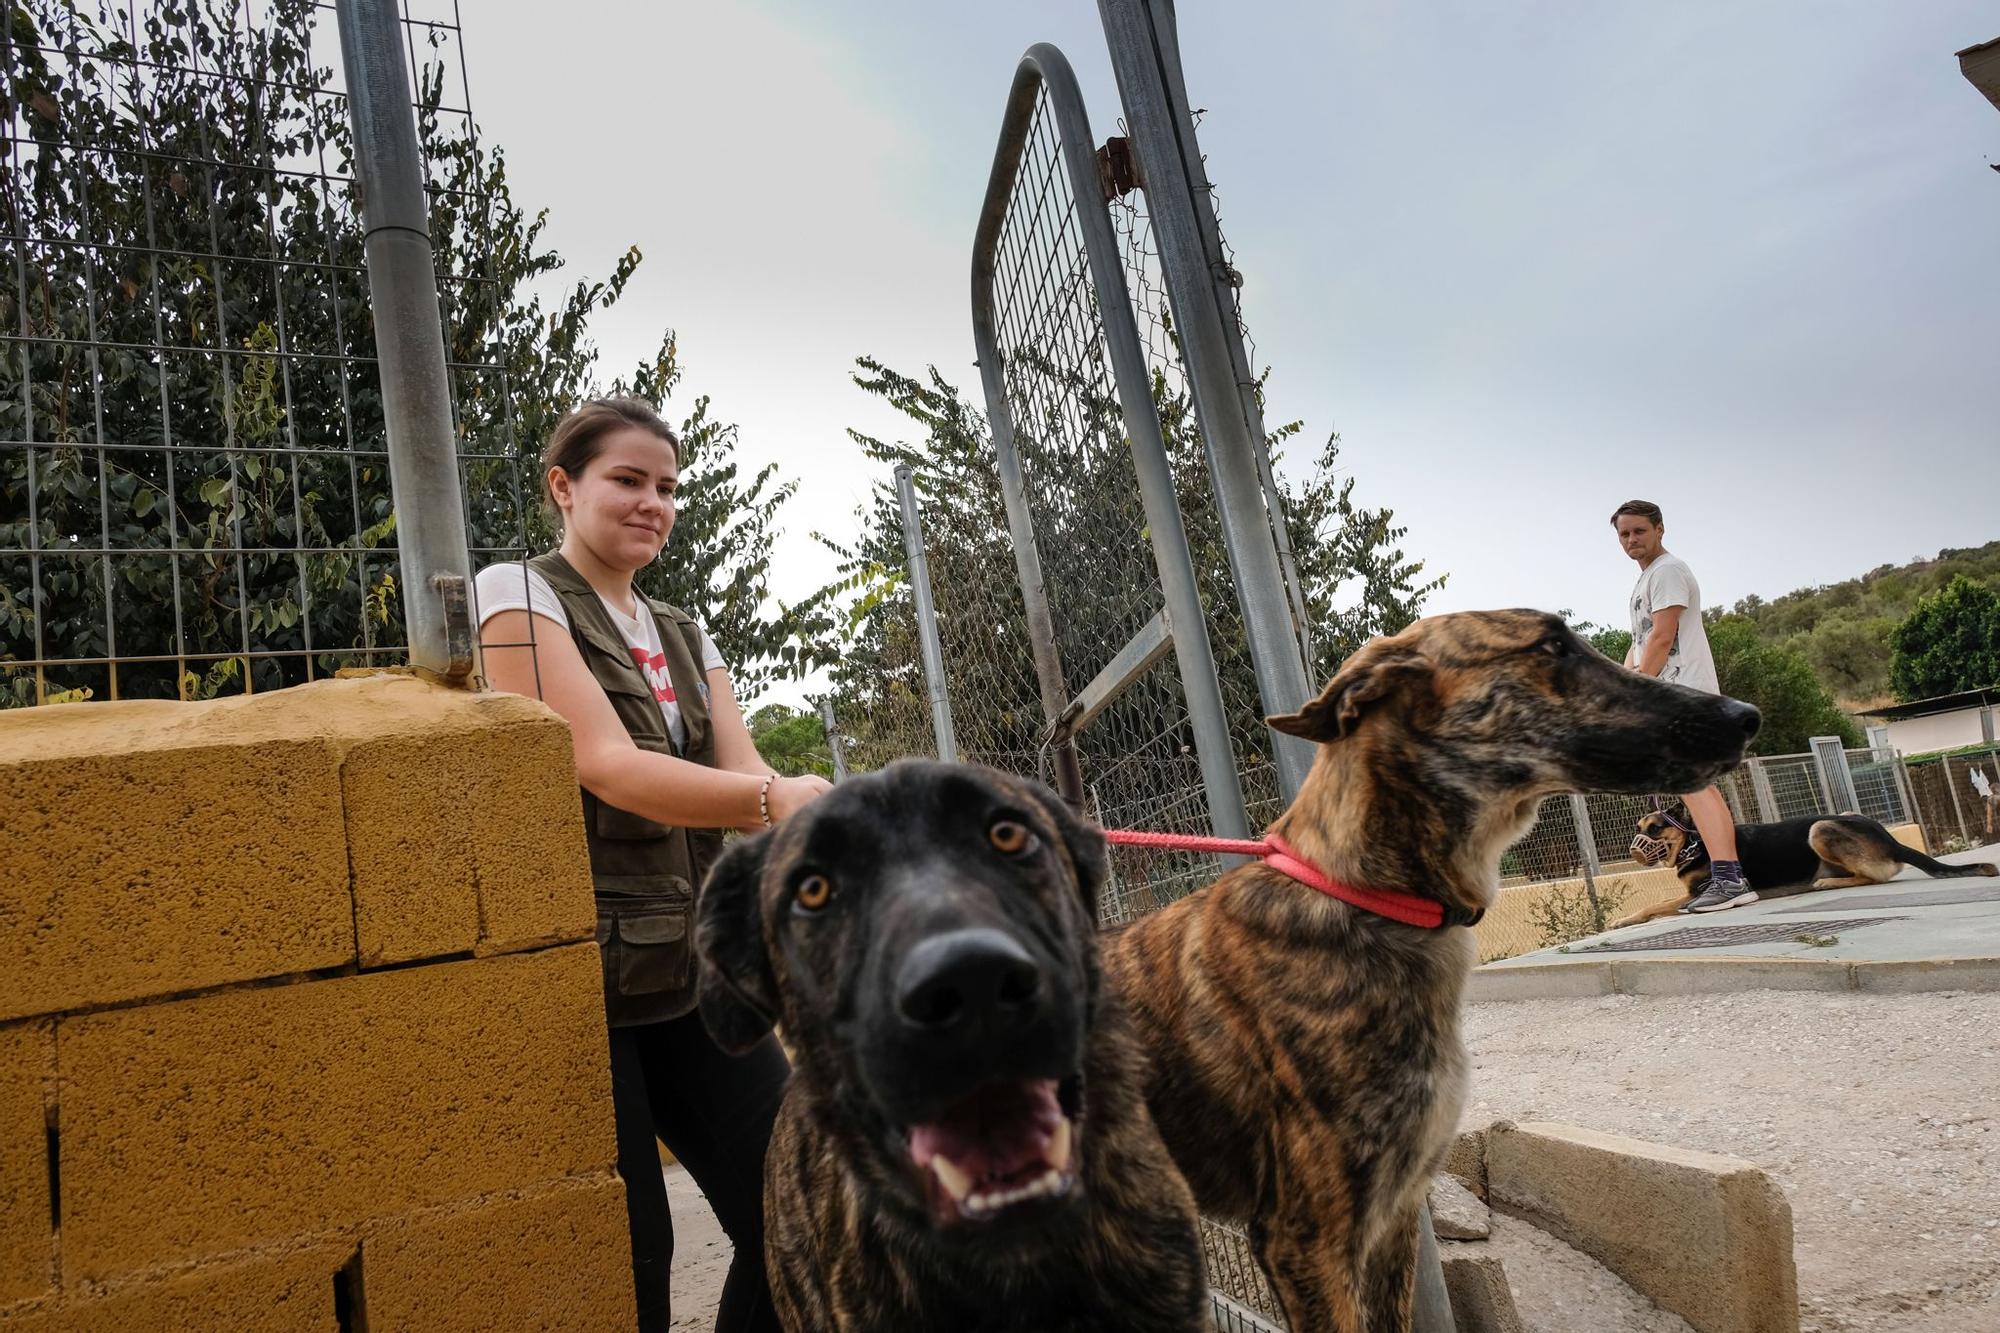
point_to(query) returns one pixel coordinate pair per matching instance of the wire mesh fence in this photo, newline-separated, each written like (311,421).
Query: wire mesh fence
(1569,877)
(194,491)
(1957,798)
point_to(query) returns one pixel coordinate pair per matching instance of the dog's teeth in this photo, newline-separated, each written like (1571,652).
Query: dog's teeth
(1059,1144)
(955,1181)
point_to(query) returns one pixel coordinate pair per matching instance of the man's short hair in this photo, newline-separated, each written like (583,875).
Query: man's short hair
(1645,509)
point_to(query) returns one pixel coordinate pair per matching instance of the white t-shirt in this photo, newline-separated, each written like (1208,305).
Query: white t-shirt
(512,586)
(1669,582)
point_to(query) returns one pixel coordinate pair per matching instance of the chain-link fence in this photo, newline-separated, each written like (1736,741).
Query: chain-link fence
(194,490)
(1573,873)
(1957,798)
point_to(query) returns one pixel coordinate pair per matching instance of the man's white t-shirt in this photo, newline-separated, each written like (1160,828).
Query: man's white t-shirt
(512,586)
(1669,582)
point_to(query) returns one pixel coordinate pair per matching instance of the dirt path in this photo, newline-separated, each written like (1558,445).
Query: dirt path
(1876,1114)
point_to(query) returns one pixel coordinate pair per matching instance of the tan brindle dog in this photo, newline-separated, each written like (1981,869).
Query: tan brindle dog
(1307,1068)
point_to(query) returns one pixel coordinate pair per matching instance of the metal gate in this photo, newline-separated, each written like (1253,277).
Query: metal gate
(1106,577)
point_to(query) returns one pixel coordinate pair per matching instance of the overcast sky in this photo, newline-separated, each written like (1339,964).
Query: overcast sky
(1529,259)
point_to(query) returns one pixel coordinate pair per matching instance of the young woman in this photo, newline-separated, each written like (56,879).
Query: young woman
(666,763)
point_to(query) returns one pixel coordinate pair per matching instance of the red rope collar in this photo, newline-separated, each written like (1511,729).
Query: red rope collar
(1282,857)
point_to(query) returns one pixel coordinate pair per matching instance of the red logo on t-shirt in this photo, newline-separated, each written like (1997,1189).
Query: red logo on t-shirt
(654,665)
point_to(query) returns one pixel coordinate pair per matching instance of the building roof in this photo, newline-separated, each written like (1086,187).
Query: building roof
(1943,703)
(1981,67)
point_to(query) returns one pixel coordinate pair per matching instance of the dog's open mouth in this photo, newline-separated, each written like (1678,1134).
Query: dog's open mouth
(1007,1145)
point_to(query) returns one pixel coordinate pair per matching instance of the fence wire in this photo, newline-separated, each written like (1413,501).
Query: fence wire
(1566,879)
(194,488)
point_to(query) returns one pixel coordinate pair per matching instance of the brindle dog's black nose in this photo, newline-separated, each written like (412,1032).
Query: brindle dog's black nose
(1742,715)
(975,978)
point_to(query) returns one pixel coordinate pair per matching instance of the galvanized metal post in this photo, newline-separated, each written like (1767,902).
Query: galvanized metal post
(1760,786)
(1045,66)
(927,625)
(1163,145)
(834,745)
(1951,790)
(1228,282)
(1830,756)
(1904,792)
(409,340)
(1586,846)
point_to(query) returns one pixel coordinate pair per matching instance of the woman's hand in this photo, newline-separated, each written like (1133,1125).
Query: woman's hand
(788,796)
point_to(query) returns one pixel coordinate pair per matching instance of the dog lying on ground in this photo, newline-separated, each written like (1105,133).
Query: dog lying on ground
(1307,1071)
(964,1144)
(1788,857)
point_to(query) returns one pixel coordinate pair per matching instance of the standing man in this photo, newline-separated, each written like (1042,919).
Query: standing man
(1668,642)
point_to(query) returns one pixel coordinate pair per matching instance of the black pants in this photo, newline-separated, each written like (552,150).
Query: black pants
(714,1113)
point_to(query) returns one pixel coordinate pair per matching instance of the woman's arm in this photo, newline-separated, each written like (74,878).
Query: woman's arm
(658,786)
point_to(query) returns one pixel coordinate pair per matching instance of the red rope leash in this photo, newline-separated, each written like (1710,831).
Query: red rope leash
(1282,857)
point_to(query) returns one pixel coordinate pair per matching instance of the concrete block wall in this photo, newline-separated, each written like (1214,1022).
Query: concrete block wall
(300,1019)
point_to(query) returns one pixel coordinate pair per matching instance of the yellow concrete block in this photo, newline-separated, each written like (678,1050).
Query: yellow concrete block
(557,1261)
(27,1248)
(246,1117)
(464,827)
(150,848)
(288,1293)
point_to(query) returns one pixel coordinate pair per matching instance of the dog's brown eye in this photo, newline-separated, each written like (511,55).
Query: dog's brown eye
(813,893)
(1010,836)
(1558,648)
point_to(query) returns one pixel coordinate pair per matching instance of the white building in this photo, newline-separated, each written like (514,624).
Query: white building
(1943,723)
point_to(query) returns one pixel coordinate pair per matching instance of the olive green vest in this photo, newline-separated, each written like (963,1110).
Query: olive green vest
(645,872)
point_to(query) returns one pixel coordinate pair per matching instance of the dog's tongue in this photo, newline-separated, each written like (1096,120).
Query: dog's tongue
(1000,1132)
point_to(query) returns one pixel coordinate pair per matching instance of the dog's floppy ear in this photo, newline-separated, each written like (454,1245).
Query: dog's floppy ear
(1084,841)
(1369,676)
(736,991)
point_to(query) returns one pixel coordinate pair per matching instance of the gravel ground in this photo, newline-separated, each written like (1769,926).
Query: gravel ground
(1876,1114)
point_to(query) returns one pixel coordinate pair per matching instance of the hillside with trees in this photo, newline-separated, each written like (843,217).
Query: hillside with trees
(1845,630)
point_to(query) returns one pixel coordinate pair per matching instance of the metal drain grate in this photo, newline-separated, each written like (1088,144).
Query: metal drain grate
(1918,896)
(1760,932)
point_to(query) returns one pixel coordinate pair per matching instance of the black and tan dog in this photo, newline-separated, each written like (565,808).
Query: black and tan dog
(964,1144)
(1789,857)
(1307,1066)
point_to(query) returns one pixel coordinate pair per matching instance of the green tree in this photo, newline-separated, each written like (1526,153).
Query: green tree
(1097,563)
(1796,706)
(235,474)
(1949,643)
(1843,628)
(790,741)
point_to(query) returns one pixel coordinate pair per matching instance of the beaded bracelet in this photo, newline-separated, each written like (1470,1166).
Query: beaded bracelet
(764,799)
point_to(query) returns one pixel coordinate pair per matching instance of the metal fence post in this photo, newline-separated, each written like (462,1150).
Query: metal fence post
(1830,755)
(1951,790)
(1586,845)
(1044,67)
(833,743)
(1163,143)
(1904,792)
(927,624)
(1228,282)
(1760,787)
(402,291)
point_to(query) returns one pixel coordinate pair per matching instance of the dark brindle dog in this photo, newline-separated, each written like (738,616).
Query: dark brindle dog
(1781,859)
(1307,1067)
(964,1144)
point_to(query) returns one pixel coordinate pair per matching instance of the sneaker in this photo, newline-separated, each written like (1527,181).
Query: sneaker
(1715,896)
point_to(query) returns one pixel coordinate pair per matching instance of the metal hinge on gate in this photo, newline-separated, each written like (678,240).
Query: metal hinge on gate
(1117,168)
(457,627)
